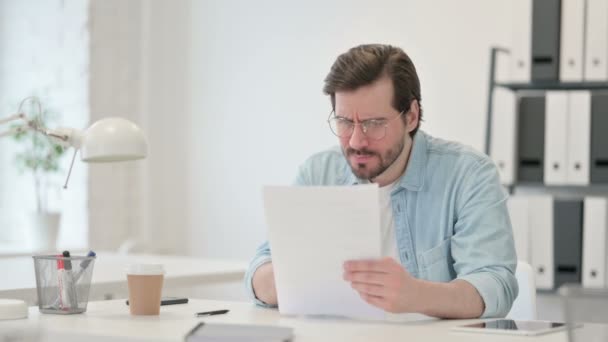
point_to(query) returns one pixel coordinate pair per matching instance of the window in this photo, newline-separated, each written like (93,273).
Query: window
(44,51)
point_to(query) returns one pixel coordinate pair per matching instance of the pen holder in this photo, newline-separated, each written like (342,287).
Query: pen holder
(63,283)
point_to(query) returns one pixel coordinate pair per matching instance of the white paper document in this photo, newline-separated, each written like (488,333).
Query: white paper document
(312,232)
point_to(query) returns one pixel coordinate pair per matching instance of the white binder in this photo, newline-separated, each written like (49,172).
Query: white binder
(572,38)
(521,43)
(596,41)
(541,240)
(579,137)
(595,242)
(556,137)
(504,127)
(518,212)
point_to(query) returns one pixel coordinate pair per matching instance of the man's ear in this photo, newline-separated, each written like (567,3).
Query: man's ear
(413,116)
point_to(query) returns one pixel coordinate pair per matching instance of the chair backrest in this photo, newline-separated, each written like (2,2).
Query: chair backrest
(524,306)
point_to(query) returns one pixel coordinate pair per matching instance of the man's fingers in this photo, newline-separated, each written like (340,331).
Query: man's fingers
(369,289)
(376,301)
(383,265)
(365,277)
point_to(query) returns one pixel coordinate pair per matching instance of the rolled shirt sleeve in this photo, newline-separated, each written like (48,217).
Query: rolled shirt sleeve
(261,257)
(482,245)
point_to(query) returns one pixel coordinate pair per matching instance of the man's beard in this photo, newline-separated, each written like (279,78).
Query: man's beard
(363,171)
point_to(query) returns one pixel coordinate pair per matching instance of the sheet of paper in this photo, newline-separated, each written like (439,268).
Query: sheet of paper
(312,232)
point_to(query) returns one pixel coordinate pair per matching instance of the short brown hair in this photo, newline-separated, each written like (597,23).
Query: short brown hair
(364,64)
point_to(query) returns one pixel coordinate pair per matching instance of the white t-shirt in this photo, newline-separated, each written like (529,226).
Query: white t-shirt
(387,223)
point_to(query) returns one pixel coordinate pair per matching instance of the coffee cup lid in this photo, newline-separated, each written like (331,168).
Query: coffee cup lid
(145,269)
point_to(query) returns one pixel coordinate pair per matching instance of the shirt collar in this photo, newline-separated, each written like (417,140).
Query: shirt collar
(413,178)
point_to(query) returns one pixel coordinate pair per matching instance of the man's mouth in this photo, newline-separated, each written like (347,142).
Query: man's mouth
(361,156)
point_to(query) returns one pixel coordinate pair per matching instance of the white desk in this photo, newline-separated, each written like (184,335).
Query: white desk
(111,321)
(19,281)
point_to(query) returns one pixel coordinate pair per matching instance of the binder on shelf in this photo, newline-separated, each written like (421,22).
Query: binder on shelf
(545,39)
(518,213)
(531,138)
(521,44)
(572,44)
(556,137)
(567,240)
(595,242)
(596,41)
(599,137)
(541,239)
(503,129)
(579,137)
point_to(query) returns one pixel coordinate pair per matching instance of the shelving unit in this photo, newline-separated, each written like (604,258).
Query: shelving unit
(565,225)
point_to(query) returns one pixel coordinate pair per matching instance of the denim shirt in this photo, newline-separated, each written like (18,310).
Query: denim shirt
(450,214)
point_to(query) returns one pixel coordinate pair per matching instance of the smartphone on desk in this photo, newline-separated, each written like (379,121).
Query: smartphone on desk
(169,300)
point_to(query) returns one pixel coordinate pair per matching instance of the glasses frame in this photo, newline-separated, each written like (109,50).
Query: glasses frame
(363,124)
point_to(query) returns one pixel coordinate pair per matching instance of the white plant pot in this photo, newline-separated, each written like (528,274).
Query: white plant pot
(43,231)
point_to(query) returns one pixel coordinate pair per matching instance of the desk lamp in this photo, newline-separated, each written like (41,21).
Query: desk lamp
(107,140)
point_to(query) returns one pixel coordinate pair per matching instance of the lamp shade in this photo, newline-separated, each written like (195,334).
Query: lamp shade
(111,140)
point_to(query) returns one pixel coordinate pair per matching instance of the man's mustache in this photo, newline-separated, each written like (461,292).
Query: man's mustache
(363,152)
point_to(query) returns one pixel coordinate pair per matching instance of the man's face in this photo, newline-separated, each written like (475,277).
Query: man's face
(367,157)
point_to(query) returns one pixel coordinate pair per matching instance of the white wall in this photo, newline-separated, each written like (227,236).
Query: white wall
(229,94)
(139,70)
(166,102)
(116,190)
(257,70)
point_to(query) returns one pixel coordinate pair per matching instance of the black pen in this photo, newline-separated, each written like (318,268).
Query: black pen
(211,313)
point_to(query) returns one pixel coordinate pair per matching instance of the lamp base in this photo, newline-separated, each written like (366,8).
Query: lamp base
(12,309)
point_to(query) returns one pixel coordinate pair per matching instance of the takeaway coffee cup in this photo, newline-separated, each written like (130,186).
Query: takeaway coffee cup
(145,288)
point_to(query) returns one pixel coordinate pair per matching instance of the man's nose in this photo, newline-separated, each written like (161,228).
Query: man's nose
(358,139)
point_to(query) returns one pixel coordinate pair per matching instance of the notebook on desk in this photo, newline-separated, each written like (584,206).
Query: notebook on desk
(220,332)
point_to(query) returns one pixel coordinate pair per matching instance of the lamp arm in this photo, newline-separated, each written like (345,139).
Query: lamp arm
(19,116)
(14,130)
(66,137)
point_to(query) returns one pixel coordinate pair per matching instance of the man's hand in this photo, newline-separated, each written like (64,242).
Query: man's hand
(383,283)
(263,284)
(386,284)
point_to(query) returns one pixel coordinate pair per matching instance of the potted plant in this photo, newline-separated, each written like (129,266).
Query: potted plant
(40,158)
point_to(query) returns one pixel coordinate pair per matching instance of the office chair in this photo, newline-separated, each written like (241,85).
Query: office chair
(524,306)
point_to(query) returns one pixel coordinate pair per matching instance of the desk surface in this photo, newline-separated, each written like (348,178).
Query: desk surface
(110,320)
(109,273)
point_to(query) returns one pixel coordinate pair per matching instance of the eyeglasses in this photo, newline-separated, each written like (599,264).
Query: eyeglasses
(374,129)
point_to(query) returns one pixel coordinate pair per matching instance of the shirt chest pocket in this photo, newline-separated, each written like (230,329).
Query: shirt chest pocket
(435,264)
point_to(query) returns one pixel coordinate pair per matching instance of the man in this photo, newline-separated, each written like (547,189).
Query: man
(446,234)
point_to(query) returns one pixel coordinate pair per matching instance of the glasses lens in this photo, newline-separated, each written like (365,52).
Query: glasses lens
(340,127)
(375,129)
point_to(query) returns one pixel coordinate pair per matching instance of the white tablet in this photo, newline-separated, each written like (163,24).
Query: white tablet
(508,326)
